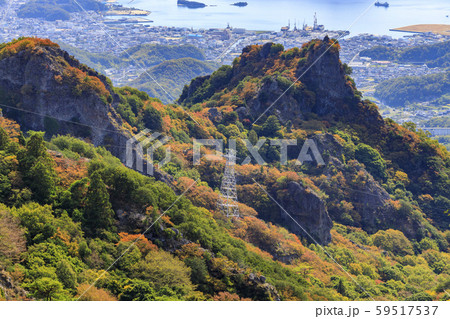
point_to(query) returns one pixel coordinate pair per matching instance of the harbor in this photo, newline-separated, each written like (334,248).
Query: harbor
(127,20)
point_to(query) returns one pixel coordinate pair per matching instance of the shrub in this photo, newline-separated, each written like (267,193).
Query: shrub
(393,241)
(152,118)
(372,159)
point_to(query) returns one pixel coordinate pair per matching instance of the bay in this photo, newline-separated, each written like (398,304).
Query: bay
(357,16)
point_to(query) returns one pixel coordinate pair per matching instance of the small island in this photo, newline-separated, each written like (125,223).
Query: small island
(381,4)
(240,4)
(191,4)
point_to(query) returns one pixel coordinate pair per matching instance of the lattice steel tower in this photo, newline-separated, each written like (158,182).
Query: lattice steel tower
(228,195)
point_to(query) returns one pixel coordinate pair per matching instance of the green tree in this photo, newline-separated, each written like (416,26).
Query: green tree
(38,168)
(276,48)
(42,180)
(4,139)
(341,287)
(164,270)
(136,290)
(230,118)
(253,137)
(66,274)
(372,159)
(427,243)
(46,288)
(36,146)
(38,221)
(271,127)
(75,197)
(98,214)
(152,118)
(199,272)
(393,241)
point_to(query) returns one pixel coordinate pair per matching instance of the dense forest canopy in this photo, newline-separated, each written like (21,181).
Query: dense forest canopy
(442,121)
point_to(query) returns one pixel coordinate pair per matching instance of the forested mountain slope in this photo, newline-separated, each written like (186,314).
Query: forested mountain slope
(97,61)
(433,55)
(412,89)
(149,55)
(325,100)
(378,205)
(168,78)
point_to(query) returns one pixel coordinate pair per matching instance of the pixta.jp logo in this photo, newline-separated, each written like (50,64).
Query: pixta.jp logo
(308,148)
(135,158)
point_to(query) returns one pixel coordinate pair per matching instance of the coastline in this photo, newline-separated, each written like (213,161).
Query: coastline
(126,12)
(442,29)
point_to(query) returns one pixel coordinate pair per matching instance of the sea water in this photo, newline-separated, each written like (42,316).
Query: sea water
(357,16)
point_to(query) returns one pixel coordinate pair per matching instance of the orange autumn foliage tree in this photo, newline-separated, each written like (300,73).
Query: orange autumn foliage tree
(82,82)
(93,293)
(226,296)
(11,128)
(15,46)
(199,195)
(143,244)
(69,170)
(190,250)
(273,239)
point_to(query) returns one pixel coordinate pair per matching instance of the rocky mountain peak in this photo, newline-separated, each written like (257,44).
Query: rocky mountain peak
(294,83)
(47,89)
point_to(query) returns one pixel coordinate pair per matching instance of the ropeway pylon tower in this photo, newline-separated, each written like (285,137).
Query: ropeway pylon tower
(228,195)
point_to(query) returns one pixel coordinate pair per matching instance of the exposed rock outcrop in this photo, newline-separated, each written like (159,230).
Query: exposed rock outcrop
(48,90)
(34,83)
(319,85)
(9,290)
(304,211)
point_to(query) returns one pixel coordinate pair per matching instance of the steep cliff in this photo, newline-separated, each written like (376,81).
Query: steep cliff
(45,89)
(307,213)
(292,84)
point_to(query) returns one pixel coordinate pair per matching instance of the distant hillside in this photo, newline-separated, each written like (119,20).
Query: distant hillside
(172,66)
(434,55)
(97,61)
(146,55)
(172,75)
(443,121)
(409,89)
(52,10)
(149,55)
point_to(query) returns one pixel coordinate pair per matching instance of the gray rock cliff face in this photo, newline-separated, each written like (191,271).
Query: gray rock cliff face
(324,75)
(29,82)
(309,213)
